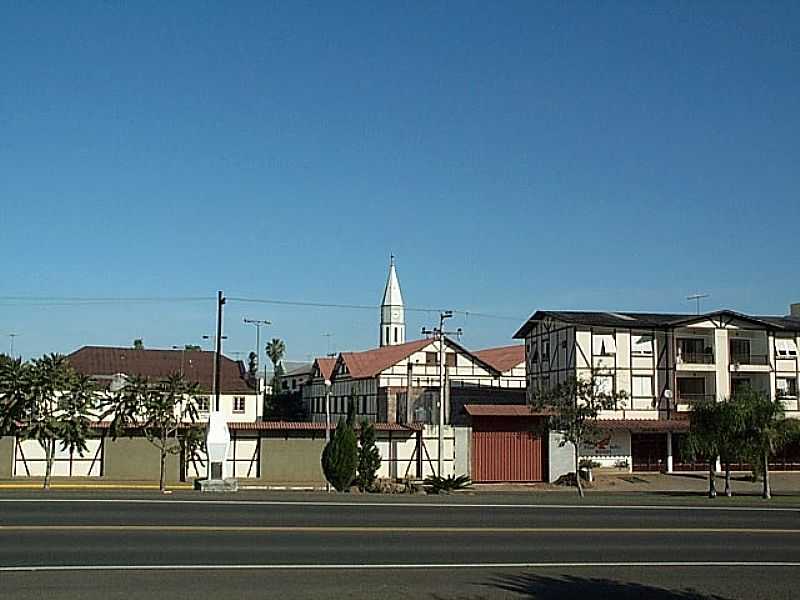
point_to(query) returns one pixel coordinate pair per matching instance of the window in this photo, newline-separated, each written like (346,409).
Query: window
(395,335)
(740,350)
(603,344)
(450,359)
(604,384)
(238,404)
(430,358)
(786,387)
(203,403)
(785,348)
(545,350)
(642,386)
(534,353)
(642,345)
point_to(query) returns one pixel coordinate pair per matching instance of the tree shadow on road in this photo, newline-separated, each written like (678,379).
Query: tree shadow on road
(570,586)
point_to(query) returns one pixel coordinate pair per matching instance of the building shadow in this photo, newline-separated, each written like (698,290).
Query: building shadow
(544,587)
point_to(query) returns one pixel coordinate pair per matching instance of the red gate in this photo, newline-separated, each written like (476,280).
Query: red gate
(505,449)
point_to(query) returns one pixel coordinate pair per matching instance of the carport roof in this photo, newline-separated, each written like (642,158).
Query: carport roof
(502,410)
(643,425)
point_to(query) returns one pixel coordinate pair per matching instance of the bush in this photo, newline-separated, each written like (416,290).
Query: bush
(340,457)
(369,458)
(443,485)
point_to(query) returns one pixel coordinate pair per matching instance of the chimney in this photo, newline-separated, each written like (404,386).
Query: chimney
(794,310)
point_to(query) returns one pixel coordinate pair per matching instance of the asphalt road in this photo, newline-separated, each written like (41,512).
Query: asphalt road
(65,545)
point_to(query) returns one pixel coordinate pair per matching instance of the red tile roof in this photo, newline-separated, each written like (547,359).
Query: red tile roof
(644,425)
(502,410)
(103,362)
(285,426)
(504,358)
(371,362)
(326,367)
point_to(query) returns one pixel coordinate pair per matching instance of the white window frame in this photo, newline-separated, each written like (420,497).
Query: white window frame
(785,348)
(641,349)
(604,344)
(634,391)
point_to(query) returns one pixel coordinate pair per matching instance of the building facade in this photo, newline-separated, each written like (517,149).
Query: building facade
(662,363)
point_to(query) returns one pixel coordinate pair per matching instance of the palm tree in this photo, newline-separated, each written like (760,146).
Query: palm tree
(275,350)
(766,430)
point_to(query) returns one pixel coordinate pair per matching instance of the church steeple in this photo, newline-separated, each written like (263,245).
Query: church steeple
(393,320)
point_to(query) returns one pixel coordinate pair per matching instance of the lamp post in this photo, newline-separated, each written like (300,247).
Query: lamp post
(183,353)
(327,421)
(439,334)
(259,323)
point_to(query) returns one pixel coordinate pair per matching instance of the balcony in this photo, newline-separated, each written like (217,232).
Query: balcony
(696,358)
(739,358)
(695,398)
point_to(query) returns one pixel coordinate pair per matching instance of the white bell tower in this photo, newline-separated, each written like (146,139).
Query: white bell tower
(393,318)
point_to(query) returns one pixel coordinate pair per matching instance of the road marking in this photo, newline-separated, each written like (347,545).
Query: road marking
(390,504)
(400,566)
(380,529)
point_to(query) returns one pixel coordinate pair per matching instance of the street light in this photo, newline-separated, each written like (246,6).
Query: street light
(259,323)
(327,421)
(183,353)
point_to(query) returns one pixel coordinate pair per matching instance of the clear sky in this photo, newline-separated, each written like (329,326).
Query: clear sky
(514,156)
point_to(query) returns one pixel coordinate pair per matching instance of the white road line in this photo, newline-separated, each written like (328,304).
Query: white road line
(399,504)
(396,566)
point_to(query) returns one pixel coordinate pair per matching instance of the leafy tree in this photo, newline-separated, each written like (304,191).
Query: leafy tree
(138,344)
(340,457)
(286,406)
(164,412)
(191,347)
(47,401)
(252,366)
(573,408)
(765,428)
(705,437)
(369,458)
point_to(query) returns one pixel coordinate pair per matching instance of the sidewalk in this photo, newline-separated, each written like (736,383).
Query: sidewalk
(674,484)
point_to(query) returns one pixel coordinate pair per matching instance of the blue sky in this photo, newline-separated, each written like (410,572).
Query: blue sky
(513,156)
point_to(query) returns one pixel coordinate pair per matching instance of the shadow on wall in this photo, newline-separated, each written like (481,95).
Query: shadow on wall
(570,586)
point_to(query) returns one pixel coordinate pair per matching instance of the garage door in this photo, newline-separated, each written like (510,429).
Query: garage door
(503,450)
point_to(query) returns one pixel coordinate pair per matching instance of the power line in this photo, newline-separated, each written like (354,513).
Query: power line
(45,301)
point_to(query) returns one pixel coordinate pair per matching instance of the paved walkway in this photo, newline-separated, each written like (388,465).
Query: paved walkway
(659,483)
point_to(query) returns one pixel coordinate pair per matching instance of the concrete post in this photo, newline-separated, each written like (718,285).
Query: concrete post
(669,452)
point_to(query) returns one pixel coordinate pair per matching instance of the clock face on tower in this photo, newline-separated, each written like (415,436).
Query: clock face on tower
(395,315)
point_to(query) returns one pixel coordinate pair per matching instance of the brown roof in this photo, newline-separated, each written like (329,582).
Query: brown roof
(326,367)
(284,426)
(504,358)
(371,362)
(644,425)
(103,362)
(502,410)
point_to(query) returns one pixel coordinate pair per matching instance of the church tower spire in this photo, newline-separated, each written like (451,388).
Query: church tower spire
(393,320)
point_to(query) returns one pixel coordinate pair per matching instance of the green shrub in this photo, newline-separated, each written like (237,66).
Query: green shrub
(369,458)
(440,485)
(340,457)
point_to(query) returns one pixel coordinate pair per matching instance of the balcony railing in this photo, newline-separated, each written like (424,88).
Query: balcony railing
(749,359)
(696,358)
(694,398)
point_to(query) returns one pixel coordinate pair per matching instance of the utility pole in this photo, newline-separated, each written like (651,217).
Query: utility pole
(439,334)
(329,336)
(183,354)
(213,339)
(697,297)
(218,350)
(259,323)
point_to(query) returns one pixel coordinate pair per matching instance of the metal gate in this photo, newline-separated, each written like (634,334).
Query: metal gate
(649,451)
(506,450)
